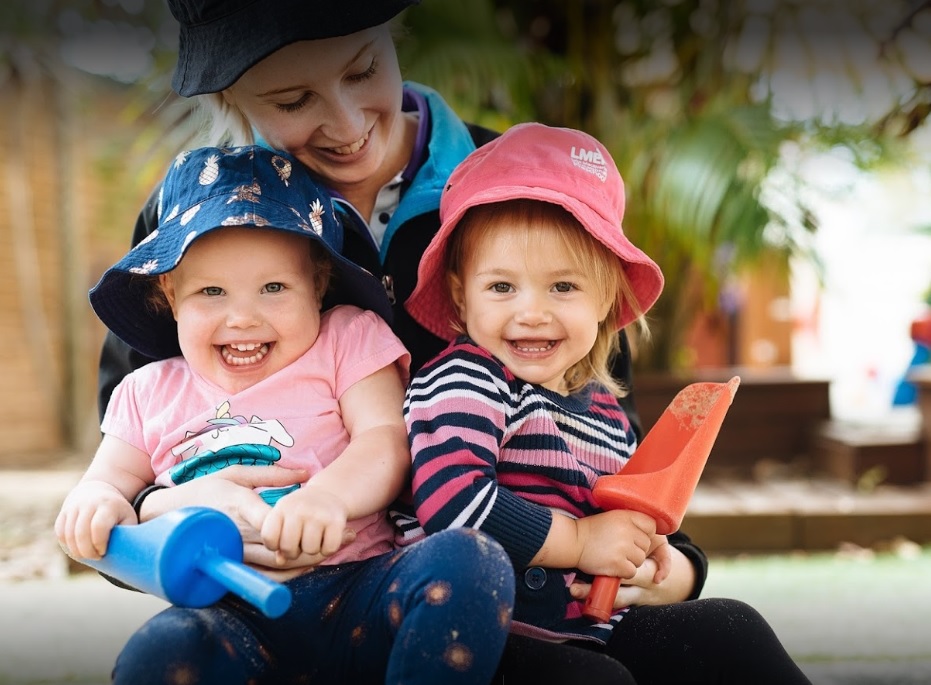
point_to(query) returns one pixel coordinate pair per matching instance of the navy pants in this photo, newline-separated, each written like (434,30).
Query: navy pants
(435,612)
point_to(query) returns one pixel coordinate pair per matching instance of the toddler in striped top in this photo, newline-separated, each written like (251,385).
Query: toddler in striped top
(530,278)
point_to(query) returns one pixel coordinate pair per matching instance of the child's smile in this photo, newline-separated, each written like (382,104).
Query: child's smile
(243,354)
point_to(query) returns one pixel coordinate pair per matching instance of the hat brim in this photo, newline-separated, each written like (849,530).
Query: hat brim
(212,55)
(121,297)
(431,305)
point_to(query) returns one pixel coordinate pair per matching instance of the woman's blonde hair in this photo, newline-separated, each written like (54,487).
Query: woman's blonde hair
(590,256)
(221,123)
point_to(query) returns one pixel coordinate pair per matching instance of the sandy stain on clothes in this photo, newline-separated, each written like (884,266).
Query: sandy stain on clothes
(505,612)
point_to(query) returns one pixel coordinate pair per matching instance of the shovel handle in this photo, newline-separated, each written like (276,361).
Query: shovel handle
(600,602)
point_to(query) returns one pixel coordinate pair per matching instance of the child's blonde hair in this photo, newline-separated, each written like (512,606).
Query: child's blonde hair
(591,257)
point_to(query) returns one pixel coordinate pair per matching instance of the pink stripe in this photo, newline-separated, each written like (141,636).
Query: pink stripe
(439,499)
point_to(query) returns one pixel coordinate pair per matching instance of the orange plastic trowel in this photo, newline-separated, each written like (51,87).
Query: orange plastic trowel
(660,478)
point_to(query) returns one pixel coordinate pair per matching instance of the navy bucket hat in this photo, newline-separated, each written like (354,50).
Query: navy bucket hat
(219,40)
(205,190)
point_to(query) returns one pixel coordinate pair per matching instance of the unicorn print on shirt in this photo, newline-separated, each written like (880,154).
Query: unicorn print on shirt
(228,440)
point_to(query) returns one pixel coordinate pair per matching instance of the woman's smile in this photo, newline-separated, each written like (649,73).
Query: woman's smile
(352,148)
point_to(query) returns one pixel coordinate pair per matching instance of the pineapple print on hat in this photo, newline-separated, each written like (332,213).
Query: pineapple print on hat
(316,217)
(283,167)
(246,193)
(210,171)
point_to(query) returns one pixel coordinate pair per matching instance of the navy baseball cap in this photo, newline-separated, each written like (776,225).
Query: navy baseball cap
(206,190)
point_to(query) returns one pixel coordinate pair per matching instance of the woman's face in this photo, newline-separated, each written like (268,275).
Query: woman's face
(333,103)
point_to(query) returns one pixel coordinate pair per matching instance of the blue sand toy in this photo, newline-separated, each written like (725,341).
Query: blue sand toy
(190,557)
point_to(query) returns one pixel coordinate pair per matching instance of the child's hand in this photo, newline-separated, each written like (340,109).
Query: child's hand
(311,521)
(665,577)
(87,516)
(615,543)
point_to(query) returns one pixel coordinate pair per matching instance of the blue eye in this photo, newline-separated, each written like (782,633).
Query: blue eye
(501,287)
(273,287)
(212,291)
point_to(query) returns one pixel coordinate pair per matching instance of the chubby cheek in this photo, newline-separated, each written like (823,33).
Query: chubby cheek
(484,324)
(195,332)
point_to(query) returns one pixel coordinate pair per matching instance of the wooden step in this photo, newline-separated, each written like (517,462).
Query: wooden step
(889,450)
(773,417)
(733,517)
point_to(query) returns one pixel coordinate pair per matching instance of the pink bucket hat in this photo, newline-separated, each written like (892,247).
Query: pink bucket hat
(532,161)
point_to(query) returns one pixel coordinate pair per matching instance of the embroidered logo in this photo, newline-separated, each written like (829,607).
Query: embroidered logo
(591,161)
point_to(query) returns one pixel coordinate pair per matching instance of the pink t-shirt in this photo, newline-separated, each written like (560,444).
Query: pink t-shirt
(191,427)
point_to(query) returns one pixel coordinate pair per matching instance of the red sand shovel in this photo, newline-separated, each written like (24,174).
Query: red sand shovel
(660,478)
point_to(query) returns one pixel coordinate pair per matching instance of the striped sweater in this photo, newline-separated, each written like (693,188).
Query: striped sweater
(491,451)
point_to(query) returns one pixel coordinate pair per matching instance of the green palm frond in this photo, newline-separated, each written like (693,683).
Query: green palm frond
(461,49)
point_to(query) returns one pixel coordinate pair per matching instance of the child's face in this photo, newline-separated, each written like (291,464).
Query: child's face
(245,303)
(523,298)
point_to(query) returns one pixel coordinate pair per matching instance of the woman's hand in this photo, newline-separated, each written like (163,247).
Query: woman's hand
(87,516)
(231,491)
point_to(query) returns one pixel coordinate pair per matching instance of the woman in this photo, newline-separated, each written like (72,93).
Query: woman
(321,81)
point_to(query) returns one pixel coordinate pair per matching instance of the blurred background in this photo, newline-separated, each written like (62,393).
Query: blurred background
(776,155)
(777,159)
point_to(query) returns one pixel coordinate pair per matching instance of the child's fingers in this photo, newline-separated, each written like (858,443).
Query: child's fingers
(81,541)
(644,522)
(65,530)
(102,524)
(289,536)
(333,537)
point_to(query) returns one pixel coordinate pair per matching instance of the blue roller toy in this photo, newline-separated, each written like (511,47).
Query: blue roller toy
(189,557)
